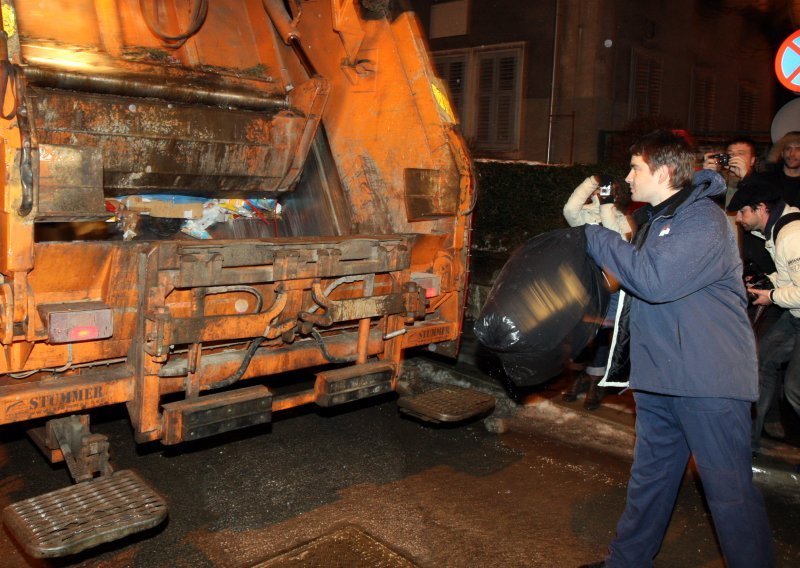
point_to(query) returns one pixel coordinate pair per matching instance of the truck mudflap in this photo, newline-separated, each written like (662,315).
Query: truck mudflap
(72,519)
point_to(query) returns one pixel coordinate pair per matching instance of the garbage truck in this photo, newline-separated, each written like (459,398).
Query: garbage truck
(203,201)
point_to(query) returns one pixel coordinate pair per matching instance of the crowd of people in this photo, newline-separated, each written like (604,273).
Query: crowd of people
(765,207)
(758,193)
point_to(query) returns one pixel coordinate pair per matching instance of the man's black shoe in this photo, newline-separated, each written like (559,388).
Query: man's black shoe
(600,564)
(579,384)
(775,430)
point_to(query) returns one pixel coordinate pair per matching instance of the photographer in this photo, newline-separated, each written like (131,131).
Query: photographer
(785,160)
(761,210)
(684,341)
(597,200)
(737,162)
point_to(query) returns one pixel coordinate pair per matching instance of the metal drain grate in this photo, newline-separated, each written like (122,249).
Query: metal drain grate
(72,519)
(447,404)
(348,547)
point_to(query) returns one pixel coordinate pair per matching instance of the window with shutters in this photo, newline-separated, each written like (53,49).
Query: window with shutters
(646,78)
(747,108)
(485,87)
(704,100)
(497,119)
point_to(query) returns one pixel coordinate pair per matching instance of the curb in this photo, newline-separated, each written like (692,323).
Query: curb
(775,468)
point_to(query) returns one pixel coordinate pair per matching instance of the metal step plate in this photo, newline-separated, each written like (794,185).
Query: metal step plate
(447,404)
(72,519)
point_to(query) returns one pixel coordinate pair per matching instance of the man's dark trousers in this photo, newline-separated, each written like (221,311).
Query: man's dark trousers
(717,432)
(780,345)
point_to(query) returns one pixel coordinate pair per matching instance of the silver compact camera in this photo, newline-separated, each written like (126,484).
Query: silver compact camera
(606,185)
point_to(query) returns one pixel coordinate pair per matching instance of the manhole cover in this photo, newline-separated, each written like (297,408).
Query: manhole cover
(348,547)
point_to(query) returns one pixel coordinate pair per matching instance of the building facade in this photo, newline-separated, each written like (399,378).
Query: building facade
(557,80)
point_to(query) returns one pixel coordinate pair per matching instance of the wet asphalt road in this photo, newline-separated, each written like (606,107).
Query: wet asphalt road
(544,491)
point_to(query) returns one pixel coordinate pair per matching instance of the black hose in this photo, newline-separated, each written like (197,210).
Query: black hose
(331,359)
(242,368)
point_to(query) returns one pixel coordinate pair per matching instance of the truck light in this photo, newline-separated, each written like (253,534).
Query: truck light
(84,332)
(431,283)
(77,321)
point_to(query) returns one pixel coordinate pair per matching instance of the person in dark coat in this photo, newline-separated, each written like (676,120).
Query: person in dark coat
(785,172)
(692,357)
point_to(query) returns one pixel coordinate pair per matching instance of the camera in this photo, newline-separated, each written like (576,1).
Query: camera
(606,185)
(722,159)
(759,282)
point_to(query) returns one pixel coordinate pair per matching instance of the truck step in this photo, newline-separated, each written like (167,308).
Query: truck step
(447,404)
(74,518)
(347,384)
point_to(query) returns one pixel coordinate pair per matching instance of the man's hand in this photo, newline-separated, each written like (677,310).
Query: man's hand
(710,163)
(759,297)
(738,166)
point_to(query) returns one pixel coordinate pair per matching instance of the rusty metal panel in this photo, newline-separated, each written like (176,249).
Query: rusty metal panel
(70,183)
(151,146)
(424,333)
(428,195)
(359,308)
(242,263)
(71,394)
(216,328)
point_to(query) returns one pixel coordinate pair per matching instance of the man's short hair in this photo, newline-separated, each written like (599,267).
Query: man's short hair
(665,148)
(743,140)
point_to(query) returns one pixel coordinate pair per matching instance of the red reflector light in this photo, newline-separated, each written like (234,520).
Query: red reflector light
(77,321)
(431,283)
(84,332)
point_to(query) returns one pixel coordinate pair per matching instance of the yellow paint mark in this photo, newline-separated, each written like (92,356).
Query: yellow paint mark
(9,19)
(443,102)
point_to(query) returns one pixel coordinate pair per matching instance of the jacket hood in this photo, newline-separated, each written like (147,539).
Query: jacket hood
(707,183)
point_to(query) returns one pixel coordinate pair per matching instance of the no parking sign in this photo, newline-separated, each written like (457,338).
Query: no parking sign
(787,62)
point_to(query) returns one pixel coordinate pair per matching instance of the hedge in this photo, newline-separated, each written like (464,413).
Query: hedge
(517,200)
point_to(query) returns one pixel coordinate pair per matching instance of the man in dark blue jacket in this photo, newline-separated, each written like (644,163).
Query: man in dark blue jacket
(692,357)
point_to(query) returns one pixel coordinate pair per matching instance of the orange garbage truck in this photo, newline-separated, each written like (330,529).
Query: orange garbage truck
(202,199)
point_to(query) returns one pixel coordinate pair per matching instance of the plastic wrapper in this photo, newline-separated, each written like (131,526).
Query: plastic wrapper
(547,303)
(199,214)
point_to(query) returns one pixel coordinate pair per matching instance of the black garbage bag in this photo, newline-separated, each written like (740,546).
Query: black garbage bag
(547,303)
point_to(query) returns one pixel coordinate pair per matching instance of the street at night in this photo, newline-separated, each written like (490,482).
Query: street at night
(341,284)
(540,484)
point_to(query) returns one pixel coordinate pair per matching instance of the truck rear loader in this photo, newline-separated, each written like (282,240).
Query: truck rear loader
(202,200)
